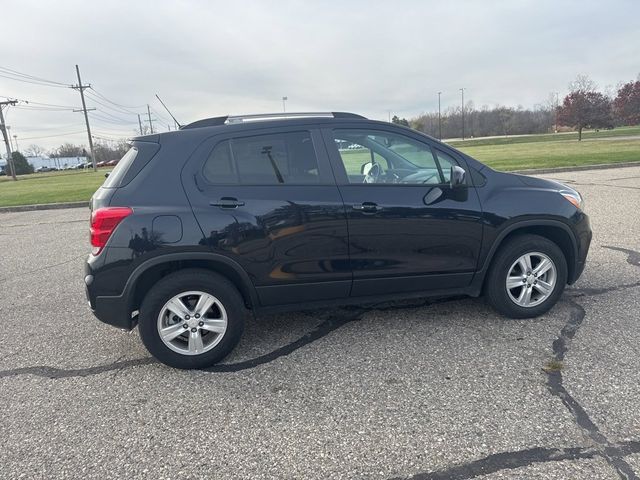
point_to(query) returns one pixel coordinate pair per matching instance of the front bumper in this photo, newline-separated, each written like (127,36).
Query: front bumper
(583,240)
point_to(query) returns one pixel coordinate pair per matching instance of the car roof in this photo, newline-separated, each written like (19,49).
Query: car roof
(267,117)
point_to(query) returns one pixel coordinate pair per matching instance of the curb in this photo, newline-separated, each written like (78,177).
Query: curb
(44,206)
(578,168)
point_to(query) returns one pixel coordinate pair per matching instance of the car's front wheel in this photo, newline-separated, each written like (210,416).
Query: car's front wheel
(527,276)
(191,319)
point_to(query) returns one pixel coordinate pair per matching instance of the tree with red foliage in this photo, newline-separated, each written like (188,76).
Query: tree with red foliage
(585,109)
(627,104)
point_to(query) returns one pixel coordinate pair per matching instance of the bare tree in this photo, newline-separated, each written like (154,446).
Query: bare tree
(35,150)
(583,83)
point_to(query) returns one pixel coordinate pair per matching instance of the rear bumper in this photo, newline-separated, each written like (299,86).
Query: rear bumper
(112,310)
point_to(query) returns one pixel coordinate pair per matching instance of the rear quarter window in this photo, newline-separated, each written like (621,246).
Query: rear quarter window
(117,174)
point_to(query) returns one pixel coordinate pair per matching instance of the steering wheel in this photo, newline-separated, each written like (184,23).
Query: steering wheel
(373,174)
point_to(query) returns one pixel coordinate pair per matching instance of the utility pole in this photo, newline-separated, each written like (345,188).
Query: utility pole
(5,134)
(140,123)
(80,87)
(150,121)
(462,90)
(439,118)
(15,138)
(284,106)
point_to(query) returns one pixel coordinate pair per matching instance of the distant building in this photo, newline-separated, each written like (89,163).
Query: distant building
(58,162)
(37,162)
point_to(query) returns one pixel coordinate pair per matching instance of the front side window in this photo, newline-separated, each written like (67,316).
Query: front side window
(372,156)
(282,158)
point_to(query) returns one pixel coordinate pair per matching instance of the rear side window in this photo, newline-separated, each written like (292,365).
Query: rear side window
(282,158)
(117,174)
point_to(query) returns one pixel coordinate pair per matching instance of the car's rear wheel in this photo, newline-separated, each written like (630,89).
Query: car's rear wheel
(527,276)
(191,319)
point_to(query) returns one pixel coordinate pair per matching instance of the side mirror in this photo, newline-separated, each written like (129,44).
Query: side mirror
(366,168)
(457,176)
(106,175)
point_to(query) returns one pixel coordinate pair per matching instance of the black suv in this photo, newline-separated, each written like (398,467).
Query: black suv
(195,228)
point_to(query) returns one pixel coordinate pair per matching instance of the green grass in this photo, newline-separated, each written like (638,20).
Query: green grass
(510,153)
(522,156)
(50,187)
(548,137)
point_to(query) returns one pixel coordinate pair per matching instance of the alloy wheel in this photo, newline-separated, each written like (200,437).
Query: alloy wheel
(192,323)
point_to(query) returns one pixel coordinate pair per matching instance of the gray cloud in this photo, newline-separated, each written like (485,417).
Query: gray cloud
(212,58)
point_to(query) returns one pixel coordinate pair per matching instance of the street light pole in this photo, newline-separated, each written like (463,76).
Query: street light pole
(15,138)
(439,119)
(557,105)
(284,105)
(462,90)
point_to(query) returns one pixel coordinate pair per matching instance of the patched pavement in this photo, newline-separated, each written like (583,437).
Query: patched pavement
(418,389)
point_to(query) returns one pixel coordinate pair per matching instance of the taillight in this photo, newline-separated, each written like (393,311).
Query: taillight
(103,222)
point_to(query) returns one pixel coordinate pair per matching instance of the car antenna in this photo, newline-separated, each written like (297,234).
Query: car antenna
(168,111)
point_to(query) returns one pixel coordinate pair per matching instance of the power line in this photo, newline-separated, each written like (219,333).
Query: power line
(107,117)
(44,109)
(9,71)
(114,103)
(51,136)
(118,110)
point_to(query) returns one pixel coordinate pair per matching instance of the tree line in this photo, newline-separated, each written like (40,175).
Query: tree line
(583,107)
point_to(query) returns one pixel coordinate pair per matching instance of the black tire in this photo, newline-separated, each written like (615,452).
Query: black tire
(495,283)
(184,281)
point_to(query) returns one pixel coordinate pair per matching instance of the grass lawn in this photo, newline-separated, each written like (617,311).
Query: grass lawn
(50,187)
(501,153)
(521,156)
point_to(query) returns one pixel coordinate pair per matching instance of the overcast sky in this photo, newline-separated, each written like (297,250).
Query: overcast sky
(210,58)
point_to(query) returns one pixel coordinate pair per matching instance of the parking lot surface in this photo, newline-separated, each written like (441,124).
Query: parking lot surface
(441,389)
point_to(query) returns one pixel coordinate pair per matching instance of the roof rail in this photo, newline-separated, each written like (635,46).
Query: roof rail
(230,119)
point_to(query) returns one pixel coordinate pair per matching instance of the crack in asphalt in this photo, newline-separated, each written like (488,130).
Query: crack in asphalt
(505,461)
(321,330)
(35,224)
(45,267)
(633,257)
(556,387)
(324,328)
(613,454)
(517,459)
(56,373)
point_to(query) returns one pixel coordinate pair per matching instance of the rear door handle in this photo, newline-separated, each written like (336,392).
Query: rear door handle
(367,207)
(227,202)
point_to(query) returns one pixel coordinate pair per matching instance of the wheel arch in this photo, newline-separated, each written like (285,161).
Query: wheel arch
(553,230)
(148,273)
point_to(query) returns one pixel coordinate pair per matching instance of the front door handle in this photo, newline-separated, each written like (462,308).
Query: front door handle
(227,202)
(367,207)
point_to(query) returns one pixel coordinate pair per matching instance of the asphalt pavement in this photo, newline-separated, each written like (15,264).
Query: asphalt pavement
(421,389)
